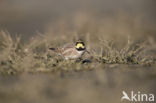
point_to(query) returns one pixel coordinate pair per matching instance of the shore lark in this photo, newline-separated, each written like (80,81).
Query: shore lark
(71,51)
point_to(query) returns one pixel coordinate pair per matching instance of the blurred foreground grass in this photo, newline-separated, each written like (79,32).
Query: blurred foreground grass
(96,86)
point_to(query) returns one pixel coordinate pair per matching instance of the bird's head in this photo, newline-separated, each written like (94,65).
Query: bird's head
(80,45)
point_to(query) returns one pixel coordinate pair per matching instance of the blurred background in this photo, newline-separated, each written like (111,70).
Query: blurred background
(106,17)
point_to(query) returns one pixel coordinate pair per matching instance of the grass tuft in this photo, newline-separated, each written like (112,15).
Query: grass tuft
(17,57)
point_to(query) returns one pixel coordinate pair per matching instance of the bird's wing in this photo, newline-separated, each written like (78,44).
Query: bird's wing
(67,46)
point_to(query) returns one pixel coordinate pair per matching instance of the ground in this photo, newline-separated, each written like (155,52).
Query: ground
(31,73)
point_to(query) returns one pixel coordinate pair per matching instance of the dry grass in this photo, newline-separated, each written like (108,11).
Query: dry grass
(33,56)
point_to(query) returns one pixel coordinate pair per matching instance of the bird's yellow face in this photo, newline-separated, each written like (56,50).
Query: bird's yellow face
(80,46)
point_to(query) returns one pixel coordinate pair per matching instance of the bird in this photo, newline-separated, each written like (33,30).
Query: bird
(71,50)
